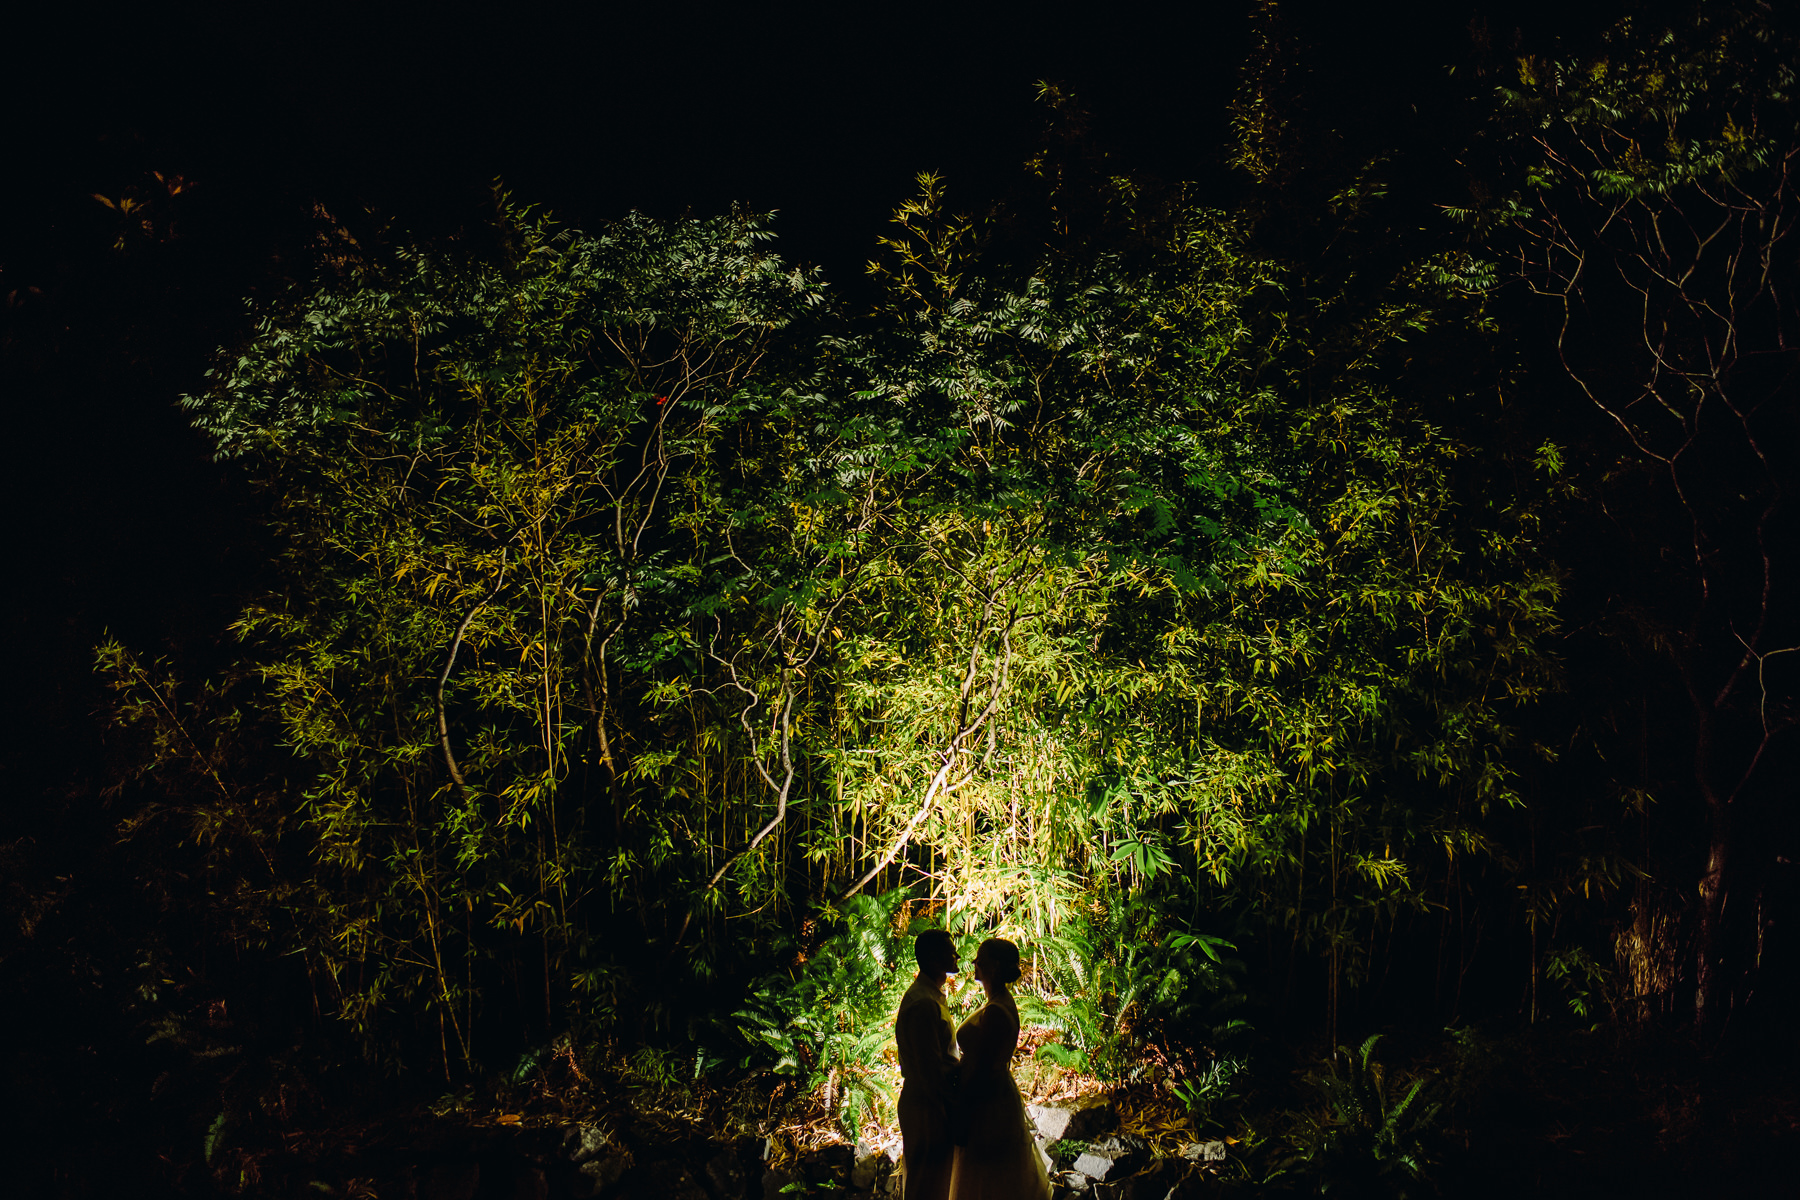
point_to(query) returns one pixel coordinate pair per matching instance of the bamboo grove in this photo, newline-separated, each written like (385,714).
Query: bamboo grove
(638,610)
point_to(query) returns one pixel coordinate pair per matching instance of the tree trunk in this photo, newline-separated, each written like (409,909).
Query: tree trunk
(1711,985)
(1710,992)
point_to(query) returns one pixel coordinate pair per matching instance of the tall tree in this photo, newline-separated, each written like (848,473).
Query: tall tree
(1372,693)
(1657,213)
(490,476)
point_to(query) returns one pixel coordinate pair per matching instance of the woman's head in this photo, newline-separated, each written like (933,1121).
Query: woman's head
(998,960)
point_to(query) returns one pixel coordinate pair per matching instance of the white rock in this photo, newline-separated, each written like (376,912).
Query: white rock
(1051,1123)
(1204,1151)
(1094,1166)
(589,1142)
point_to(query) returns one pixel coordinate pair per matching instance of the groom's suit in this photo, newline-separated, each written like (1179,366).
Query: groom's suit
(925,1036)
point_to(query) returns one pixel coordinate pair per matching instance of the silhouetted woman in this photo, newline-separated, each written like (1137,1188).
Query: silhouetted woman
(998,1160)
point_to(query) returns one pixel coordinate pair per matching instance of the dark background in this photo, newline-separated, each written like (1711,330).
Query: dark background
(403,117)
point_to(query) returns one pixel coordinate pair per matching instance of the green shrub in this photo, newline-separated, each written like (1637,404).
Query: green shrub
(1373,1137)
(1124,974)
(828,1021)
(1202,1092)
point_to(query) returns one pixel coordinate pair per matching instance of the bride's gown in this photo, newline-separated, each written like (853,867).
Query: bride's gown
(1000,1161)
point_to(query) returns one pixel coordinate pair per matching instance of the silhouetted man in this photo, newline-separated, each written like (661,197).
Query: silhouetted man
(925,1036)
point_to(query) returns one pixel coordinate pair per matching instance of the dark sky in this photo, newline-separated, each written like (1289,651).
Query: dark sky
(825,113)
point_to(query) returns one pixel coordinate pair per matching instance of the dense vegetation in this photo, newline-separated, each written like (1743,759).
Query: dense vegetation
(1360,605)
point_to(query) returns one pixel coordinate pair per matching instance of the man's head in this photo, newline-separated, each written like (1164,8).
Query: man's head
(935,952)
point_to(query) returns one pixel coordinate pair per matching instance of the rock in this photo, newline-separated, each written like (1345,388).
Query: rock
(1204,1152)
(1112,1158)
(774,1181)
(1052,1123)
(870,1167)
(450,1181)
(1071,1181)
(582,1142)
(1095,1166)
(1128,1153)
(1057,1124)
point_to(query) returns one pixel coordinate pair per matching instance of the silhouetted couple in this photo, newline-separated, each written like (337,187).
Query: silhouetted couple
(962,1120)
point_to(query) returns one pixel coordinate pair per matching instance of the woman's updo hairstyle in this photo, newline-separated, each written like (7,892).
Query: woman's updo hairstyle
(1000,958)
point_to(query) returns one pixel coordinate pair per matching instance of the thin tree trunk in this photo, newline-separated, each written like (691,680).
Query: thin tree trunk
(1709,977)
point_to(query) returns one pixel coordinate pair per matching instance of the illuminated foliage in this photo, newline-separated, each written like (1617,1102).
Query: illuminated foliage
(636,607)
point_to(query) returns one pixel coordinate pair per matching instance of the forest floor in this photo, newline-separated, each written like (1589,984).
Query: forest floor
(1552,1111)
(1533,1111)
(1593,1113)
(1541,1111)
